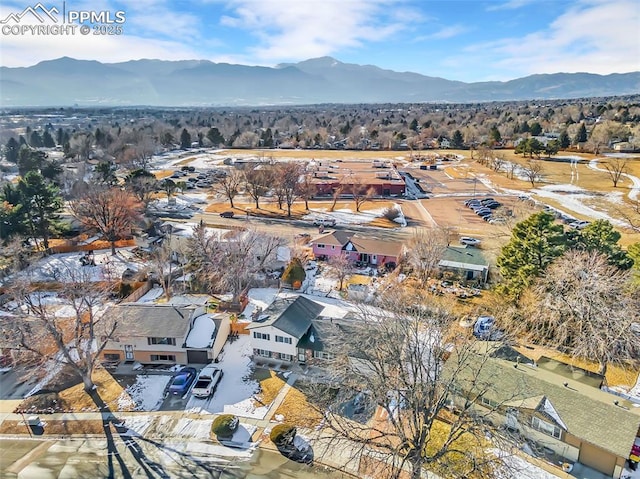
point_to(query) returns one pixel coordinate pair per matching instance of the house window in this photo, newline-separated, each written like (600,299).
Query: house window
(545,427)
(264,336)
(323,355)
(282,339)
(167,341)
(333,247)
(163,357)
(286,357)
(262,352)
(320,246)
(488,402)
(112,357)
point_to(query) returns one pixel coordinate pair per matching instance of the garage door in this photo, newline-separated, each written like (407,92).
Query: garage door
(197,357)
(597,458)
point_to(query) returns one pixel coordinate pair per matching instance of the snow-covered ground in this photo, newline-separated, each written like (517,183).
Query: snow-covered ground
(515,466)
(235,392)
(346,216)
(635,189)
(67,266)
(571,198)
(147,392)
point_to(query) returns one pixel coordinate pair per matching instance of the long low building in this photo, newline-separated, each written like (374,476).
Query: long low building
(345,177)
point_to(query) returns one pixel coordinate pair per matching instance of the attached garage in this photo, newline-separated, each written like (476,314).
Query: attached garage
(197,357)
(596,458)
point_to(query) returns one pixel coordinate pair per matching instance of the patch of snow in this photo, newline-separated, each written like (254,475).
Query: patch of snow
(574,203)
(202,332)
(567,188)
(516,466)
(259,298)
(400,219)
(236,390)
(635,189)
(137,425)
(173,453)
(67,266)
(53,369)
(279,417)
(247,408)
(151,295)
(192,428)
(614,197)
(346,216)
(148,390)
(301,443)
(551,411)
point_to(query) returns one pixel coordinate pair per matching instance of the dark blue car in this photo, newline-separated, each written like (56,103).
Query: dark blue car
(181,382)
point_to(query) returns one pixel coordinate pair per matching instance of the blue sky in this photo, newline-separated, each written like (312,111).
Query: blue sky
(466,40)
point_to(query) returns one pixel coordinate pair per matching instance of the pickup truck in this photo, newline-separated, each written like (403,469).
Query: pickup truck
(207,381)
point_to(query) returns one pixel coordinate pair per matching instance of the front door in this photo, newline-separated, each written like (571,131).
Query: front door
(128,352)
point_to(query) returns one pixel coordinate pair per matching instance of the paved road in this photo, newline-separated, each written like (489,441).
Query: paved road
(289,228)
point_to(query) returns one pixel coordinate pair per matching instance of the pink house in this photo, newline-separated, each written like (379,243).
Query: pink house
(368,251)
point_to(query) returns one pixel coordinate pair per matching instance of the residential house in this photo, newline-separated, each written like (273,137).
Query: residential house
(293,330)
(467,264)
(275,333)
(165,334)
(555,407)
(368,251)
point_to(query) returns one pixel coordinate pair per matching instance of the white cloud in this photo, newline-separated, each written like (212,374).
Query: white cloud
(510,5)
(445,33)
(29,50)
(591,36)
(295,30)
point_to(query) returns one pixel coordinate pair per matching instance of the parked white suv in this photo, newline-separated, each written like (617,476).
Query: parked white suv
(324,222)
(580,224)
(469,241)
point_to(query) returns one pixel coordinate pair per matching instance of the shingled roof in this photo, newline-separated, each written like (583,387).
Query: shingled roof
(291,317)
(142,320)
(583,410)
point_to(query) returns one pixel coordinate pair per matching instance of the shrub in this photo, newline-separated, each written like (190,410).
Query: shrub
(391,213)
(282,434)
(294,273)
(125,290)
(224,425)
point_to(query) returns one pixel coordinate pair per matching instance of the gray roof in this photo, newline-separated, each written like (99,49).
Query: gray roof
(587,412)
(291,317)
(142,320)
(463,256)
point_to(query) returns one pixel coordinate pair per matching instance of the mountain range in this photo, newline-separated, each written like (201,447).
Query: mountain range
(67,81)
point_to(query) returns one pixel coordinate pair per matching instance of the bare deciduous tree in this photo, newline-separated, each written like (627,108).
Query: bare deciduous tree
(229,265)
(307,189)
(583,305)
(616,168)
(112,212)
(339,268)
(76,341)
(425,251)
(256,183)
(230,184)
(392,367)
(336,196)
(287,177)
(533,172)
(357,187)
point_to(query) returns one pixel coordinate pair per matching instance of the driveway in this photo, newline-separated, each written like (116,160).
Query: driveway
(13,384)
